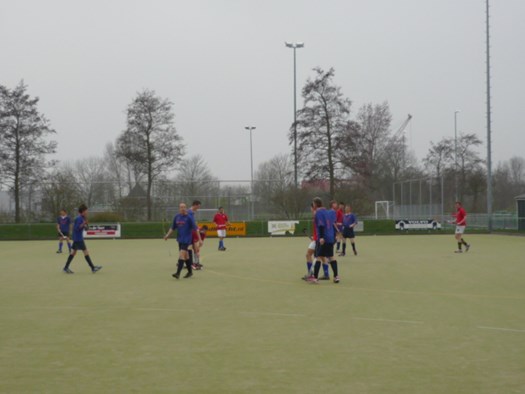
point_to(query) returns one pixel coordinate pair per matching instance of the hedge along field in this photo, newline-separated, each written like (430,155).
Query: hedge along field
(47,231)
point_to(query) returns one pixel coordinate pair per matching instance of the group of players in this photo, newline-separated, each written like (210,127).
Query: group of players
(331,227)
(190,237)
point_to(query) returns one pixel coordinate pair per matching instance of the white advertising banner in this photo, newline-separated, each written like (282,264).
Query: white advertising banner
(103,231)
(282,227)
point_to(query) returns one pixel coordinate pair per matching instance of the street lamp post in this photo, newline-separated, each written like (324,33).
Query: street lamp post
(294,45)
(456,153)
(250,129)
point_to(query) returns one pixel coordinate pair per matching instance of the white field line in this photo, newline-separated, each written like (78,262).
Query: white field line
(499,329)
(389,320)
(272,314)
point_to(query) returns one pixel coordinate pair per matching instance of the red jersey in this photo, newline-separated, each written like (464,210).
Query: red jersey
(339,217)
(314,237)
(220,219)
(461,217)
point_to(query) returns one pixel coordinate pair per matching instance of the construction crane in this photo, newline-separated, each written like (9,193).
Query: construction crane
(403,126)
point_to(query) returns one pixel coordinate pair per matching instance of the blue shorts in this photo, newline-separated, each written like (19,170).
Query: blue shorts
(324,250)
(183,246)
(348,233)
(78,245)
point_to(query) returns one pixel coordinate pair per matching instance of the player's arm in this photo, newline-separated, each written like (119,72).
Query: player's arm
(168,234)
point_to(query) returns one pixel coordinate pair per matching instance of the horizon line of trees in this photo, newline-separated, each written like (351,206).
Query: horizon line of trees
(342,156)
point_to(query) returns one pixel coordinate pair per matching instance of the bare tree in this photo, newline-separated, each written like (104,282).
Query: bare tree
(150,142)
(23,143)
(274,187)
(439,157)
(320,124)
(195,177)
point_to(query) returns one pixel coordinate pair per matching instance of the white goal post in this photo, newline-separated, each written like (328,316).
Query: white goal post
(384,209)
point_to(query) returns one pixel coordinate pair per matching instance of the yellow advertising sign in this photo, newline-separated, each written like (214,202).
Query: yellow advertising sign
(234,229)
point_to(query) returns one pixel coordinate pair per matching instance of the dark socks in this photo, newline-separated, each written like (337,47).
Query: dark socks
(190,253)
(333,264)
(353,246)
(459,245)
(188,266)
(317,267)
(88,259)
(344,248)
(463,242)
(69,259)
(338,246)
(180,264)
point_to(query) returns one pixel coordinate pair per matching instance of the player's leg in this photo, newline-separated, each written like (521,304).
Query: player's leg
(87,257)
(309,260)
(458,236)
(186,256)
(183,255)
(333,262)
(343,253)
(467,245)
(352,242)
(70,259)
(60,242)
(68,240)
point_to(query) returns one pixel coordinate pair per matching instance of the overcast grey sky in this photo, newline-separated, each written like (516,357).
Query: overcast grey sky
(224,65)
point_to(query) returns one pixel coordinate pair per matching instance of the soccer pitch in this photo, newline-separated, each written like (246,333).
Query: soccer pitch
(409,316)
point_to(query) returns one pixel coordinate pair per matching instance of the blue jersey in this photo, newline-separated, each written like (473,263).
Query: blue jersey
(324,223)
(184,224)
(78,228)
(63,223)
(349,219)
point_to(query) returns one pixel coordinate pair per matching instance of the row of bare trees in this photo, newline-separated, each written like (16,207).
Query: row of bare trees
(340,155)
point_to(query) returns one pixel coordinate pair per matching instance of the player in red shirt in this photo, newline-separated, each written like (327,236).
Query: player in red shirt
(221,220)
(197,245)
(461,223)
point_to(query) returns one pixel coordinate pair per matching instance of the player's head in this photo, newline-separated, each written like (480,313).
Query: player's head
(317,202)
(195,205)
(348,209)
(204,229)
(83,209)
(182,208)
(333,204)
(221,209)
(63,212)
(341,205)
(458,204)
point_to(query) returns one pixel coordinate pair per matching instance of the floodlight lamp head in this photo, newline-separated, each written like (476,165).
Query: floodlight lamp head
(299,45)
(288,44)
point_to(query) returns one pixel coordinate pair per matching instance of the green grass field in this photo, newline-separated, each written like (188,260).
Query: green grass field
(409,316)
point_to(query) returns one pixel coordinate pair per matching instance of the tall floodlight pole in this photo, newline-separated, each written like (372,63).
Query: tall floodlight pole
(456,154)
(294,45)
(489,125)
(250,129)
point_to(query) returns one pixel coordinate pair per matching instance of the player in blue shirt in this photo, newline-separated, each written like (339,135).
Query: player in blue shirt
(349,223)
(79,225)
(63,226)
(184,223)
(324,222)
